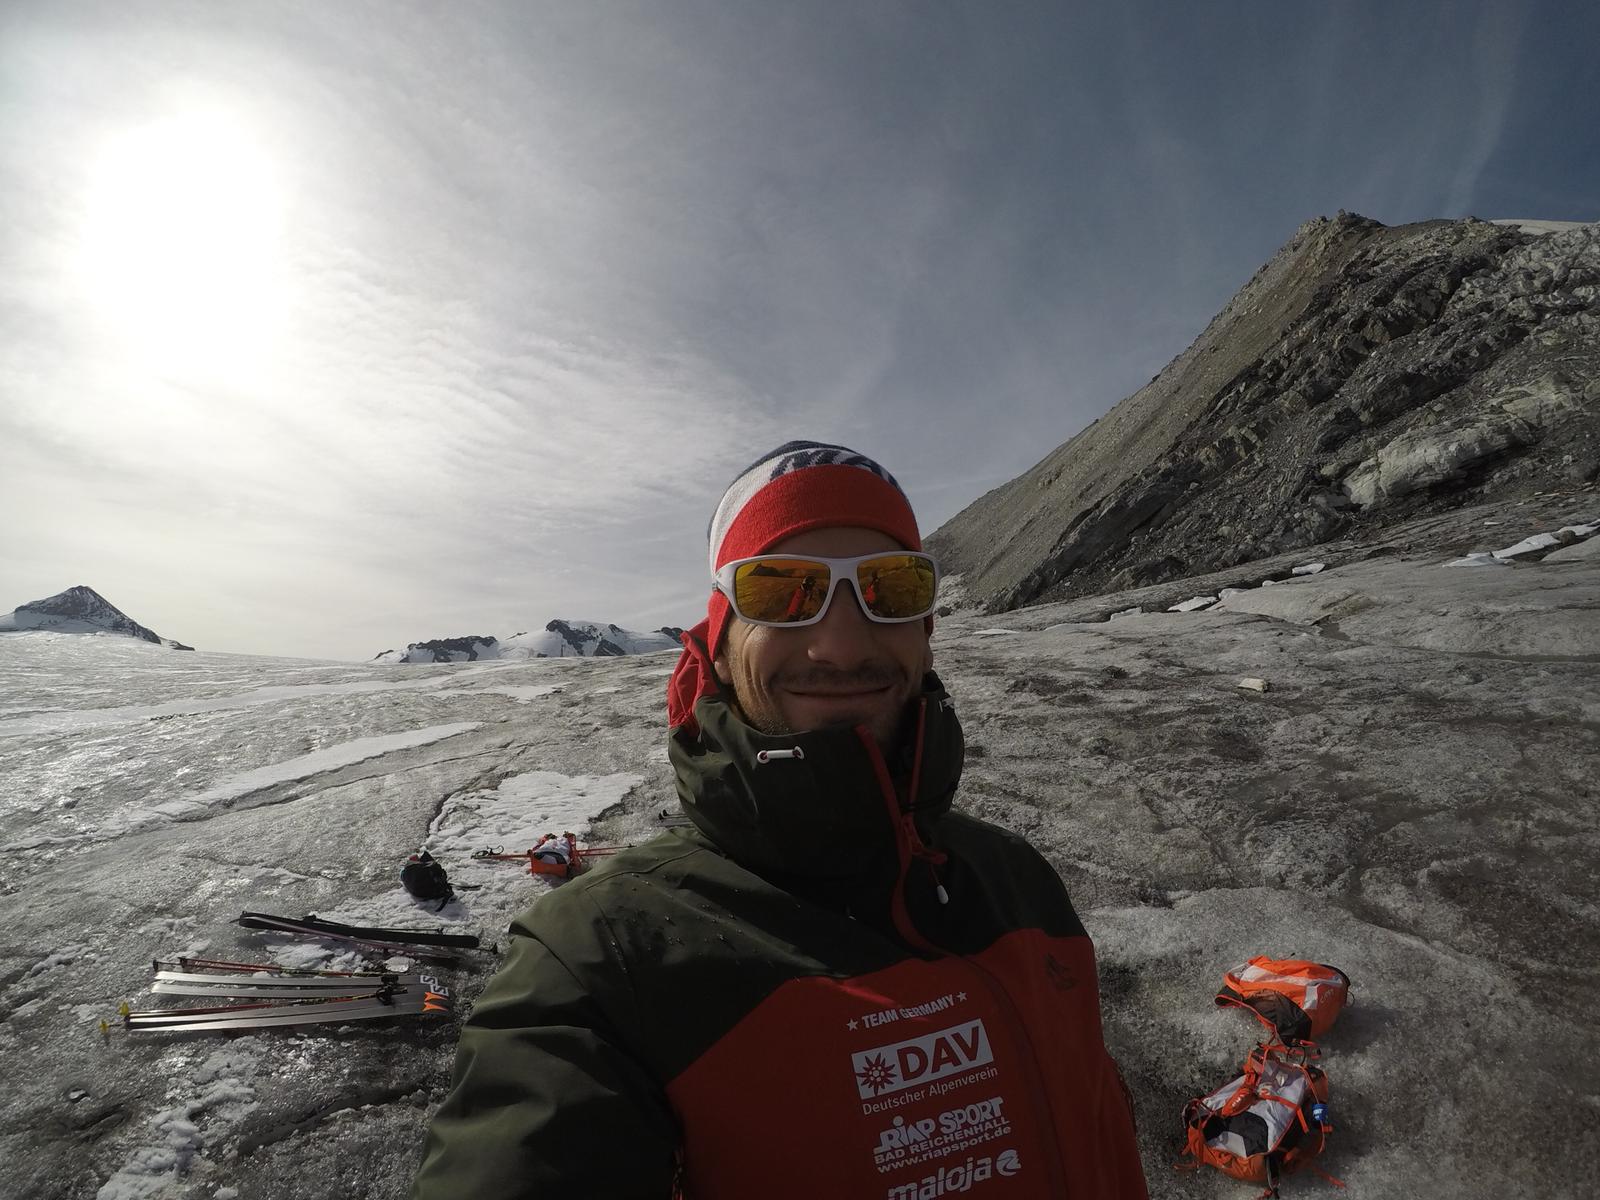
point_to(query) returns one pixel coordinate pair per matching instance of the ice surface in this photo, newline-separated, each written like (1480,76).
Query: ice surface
(293,770)
(535,691)
(62,720)
(147,797)
(1411,799)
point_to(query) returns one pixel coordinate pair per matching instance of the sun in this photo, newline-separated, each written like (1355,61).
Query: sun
(182,248)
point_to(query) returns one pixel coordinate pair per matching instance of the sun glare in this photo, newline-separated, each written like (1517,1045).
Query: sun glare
(182,250)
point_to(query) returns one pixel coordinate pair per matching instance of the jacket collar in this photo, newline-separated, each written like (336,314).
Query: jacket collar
(813,805)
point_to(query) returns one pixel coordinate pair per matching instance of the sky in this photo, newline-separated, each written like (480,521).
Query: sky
(330,327)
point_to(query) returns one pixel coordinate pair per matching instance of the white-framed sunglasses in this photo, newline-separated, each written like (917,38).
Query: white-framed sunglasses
(790,590)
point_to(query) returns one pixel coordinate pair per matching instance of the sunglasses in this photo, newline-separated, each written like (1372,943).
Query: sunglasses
(790,590)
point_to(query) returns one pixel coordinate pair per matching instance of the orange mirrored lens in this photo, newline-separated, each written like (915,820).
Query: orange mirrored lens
(896,586)
(780,589)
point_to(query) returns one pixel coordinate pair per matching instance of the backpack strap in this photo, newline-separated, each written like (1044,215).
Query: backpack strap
(1338,1183)
(1271,1191)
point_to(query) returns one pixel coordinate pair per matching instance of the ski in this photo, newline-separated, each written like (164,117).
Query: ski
(226,966)
(179,983)
(417,943)
(315,924)
(159,1014)
(293,1012)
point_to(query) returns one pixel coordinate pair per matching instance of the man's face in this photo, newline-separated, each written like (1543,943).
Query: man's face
(844,670)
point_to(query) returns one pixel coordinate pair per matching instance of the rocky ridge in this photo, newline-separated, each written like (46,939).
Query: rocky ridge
(80,609)
(1365,376)
(558,639)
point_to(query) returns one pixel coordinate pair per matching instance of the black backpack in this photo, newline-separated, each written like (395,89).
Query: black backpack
(425,879)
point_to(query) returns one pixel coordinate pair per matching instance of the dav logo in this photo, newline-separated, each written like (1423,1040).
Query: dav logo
(921,1060)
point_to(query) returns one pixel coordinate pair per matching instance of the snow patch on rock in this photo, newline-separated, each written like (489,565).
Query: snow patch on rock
(222,1096)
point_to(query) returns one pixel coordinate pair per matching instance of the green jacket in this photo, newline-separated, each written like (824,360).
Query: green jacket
(831,985)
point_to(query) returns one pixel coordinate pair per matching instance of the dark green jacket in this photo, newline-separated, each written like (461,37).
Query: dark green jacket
(832,985)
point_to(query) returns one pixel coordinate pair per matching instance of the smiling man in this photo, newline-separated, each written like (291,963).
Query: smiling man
(832,984)
(845,670)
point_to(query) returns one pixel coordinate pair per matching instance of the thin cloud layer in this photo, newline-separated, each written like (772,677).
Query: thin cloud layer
(330,327)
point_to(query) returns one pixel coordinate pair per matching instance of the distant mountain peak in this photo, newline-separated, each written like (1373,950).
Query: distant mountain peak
(80,609)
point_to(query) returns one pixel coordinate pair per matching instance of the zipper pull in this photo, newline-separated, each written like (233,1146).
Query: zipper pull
(934,858)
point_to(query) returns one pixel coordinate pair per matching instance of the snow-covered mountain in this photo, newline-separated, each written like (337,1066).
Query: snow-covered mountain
(558,639)
(80,610)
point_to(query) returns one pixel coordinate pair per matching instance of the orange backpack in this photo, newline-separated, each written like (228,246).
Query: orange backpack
(1297,1000)
(1273,1119)
(1269,1122)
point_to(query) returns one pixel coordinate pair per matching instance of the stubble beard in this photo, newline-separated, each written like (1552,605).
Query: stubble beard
(887,727)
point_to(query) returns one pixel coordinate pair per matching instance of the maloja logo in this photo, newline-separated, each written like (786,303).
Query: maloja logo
(948,1180)
(921,1060)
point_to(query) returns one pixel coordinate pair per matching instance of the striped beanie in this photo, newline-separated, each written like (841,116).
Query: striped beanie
(795,488)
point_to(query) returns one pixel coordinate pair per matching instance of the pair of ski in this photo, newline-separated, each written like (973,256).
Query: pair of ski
(278,996)
(435,945)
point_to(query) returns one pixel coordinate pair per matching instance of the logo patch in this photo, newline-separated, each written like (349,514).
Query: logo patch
(920,1060)
(954,1180)
(918,1143)
(1060,974)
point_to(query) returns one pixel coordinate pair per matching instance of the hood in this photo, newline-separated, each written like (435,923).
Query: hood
(813,805)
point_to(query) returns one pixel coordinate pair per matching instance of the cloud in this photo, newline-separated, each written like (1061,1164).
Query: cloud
(554,272)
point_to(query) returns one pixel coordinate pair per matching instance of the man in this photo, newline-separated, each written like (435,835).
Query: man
(832,985)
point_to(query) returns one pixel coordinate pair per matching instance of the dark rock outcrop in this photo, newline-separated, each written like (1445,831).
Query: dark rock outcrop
(1365,376)
(452,649)
(589,641)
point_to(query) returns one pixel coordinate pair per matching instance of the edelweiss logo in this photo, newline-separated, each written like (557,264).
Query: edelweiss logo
(875,1074)
(920,1060)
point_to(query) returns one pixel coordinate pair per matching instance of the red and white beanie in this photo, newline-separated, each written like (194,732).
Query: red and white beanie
(797,487)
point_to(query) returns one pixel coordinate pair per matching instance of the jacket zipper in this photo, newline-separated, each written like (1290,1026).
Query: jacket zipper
(908,842)
(911,846)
